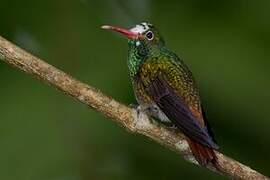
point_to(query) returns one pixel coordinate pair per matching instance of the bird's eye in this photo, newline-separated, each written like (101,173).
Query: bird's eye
(149,35)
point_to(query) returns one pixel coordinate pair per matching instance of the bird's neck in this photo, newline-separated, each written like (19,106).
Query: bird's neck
(138,52)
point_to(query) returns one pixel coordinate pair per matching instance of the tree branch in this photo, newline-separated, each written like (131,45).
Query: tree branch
(120,113)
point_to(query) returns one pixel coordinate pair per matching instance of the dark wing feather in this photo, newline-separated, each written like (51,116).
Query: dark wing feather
(177,111)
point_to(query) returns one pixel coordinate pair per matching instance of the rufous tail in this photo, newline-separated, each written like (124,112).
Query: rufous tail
(204,155)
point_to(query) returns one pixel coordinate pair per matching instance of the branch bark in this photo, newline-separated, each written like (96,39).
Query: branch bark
(118,112)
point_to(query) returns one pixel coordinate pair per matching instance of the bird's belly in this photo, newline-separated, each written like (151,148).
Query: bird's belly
(155,111)
(147,104)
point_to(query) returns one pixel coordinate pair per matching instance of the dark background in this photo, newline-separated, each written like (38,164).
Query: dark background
(46,135)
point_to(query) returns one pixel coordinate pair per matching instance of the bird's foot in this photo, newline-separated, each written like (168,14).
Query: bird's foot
(141,119)
(139,109)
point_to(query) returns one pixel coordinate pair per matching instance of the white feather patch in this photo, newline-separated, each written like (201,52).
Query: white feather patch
(138,43)
(140,28)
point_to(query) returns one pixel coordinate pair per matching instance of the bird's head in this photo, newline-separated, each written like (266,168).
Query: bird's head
(144,34)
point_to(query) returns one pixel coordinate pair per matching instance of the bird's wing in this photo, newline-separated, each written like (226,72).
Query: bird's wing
(157,87)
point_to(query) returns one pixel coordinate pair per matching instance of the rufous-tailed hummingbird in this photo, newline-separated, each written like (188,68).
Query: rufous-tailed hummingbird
(165,88)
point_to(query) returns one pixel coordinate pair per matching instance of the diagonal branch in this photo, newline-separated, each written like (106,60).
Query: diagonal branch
(118,112)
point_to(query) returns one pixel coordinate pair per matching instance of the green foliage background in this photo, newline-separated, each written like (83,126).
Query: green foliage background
(45,135)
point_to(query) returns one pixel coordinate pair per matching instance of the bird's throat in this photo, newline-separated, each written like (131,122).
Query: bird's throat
(138,52)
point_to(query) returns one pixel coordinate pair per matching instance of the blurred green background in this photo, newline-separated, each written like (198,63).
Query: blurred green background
(45,135)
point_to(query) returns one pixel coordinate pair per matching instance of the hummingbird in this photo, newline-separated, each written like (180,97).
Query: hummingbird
(165,89)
